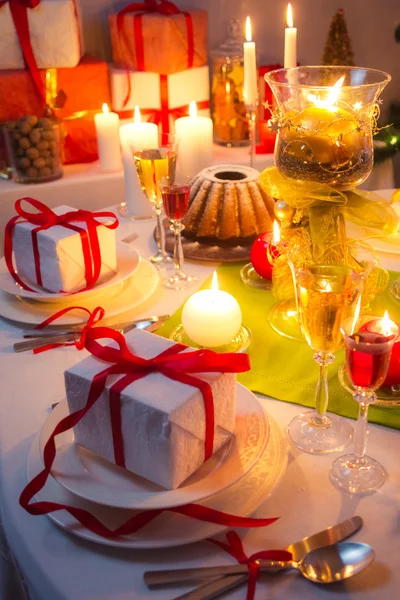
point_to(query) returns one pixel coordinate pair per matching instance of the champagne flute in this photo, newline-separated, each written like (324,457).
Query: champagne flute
(175,197)
(369,341)
(152,164)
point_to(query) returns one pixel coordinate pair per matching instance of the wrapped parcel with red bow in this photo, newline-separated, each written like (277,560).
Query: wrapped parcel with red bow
(157,408)
(60,249)
(51,29)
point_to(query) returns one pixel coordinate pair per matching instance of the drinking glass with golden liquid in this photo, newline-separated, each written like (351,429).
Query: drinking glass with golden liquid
(326,296)
(152,165)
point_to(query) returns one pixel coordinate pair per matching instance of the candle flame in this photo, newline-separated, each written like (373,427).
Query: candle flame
(248,30)
(331,99)
(137,118)
(289,16)
(328,287)
(387,325)
(214,283)
(276,237)
(193,109)
(106,110)
(228,87)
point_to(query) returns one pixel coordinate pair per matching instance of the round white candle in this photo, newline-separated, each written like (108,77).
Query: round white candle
(107,131)
(141,135)
(290,57)
(250,68)
(211,318)
(195,135)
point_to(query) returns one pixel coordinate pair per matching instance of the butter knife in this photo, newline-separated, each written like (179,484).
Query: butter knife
(38,342)
(327,537)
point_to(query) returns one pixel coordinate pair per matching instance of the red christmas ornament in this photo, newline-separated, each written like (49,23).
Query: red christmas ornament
(259,255)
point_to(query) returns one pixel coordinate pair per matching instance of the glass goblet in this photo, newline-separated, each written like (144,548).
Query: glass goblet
(325,296)
(175,198)
(369,341)
(155,158)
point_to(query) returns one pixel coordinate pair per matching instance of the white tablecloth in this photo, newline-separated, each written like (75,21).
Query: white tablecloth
(58,566)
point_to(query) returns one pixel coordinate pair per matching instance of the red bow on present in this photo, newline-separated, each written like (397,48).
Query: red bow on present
(235,549)
(173,365)
(151,6)
(46,218)
(19,13)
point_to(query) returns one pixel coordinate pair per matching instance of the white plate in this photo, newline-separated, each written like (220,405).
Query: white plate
(127,262)
(171,529)
(131,293)
(95,479)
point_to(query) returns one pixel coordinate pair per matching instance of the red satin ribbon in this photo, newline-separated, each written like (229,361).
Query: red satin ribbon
(151,6)
(172,364)
(94,317)
(45,219)
(235,548)
(19,13)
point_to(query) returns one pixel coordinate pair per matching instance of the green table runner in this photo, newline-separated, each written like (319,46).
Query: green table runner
(285,369)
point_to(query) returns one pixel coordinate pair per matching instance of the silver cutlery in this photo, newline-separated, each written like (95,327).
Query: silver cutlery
(299,550)
(151,324)
(328,564)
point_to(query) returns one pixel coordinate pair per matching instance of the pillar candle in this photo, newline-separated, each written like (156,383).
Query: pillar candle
(142,136)
(290,57)
(107,131)
(250,68)
(195,142)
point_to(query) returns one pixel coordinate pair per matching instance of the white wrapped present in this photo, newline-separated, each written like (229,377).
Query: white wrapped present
(149,91)
(55,35)
(62,265)
(162,420)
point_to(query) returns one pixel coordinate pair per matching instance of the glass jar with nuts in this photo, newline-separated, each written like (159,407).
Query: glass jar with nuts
(33,148)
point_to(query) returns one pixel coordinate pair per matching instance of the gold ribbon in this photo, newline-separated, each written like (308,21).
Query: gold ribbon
(367,209)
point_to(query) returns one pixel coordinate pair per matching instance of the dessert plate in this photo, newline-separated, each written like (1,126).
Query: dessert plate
(116,300)
(93,478)
(127,262)
(171,529)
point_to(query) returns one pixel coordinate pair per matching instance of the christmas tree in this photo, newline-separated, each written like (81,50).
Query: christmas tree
(338,46)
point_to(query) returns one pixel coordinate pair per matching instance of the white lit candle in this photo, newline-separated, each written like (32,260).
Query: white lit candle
(250,68)
(107,131)
(195,135)
(142,136)
(290,58)
(212,317)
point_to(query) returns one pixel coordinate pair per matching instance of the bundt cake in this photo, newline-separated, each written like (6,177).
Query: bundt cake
(228,206)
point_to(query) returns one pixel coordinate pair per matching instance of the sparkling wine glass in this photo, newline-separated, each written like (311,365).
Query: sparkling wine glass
(369,341)
(155,160)
(175,198)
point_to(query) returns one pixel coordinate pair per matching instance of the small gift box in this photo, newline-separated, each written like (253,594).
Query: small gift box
(51,29)
(64,250)
(161,98)
(165,40)
(158,419)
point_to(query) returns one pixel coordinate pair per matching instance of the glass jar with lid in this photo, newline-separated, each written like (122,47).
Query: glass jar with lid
(229,111)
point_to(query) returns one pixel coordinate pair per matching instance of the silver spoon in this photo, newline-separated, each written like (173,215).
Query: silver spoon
(323,565)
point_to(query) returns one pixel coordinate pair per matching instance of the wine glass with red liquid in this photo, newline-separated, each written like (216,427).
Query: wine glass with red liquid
(369,341)
(175,197)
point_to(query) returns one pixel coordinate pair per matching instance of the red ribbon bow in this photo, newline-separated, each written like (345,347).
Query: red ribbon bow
(46,218)
(133,367)
(235,549)
(151,6)
(19,13)
(94,317)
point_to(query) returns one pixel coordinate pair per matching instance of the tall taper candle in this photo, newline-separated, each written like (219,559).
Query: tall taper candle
(250,68)
(195,135)
(107,131)
(290,58)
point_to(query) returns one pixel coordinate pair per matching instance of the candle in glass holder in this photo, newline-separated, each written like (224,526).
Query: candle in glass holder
(212,317)
(107,131)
